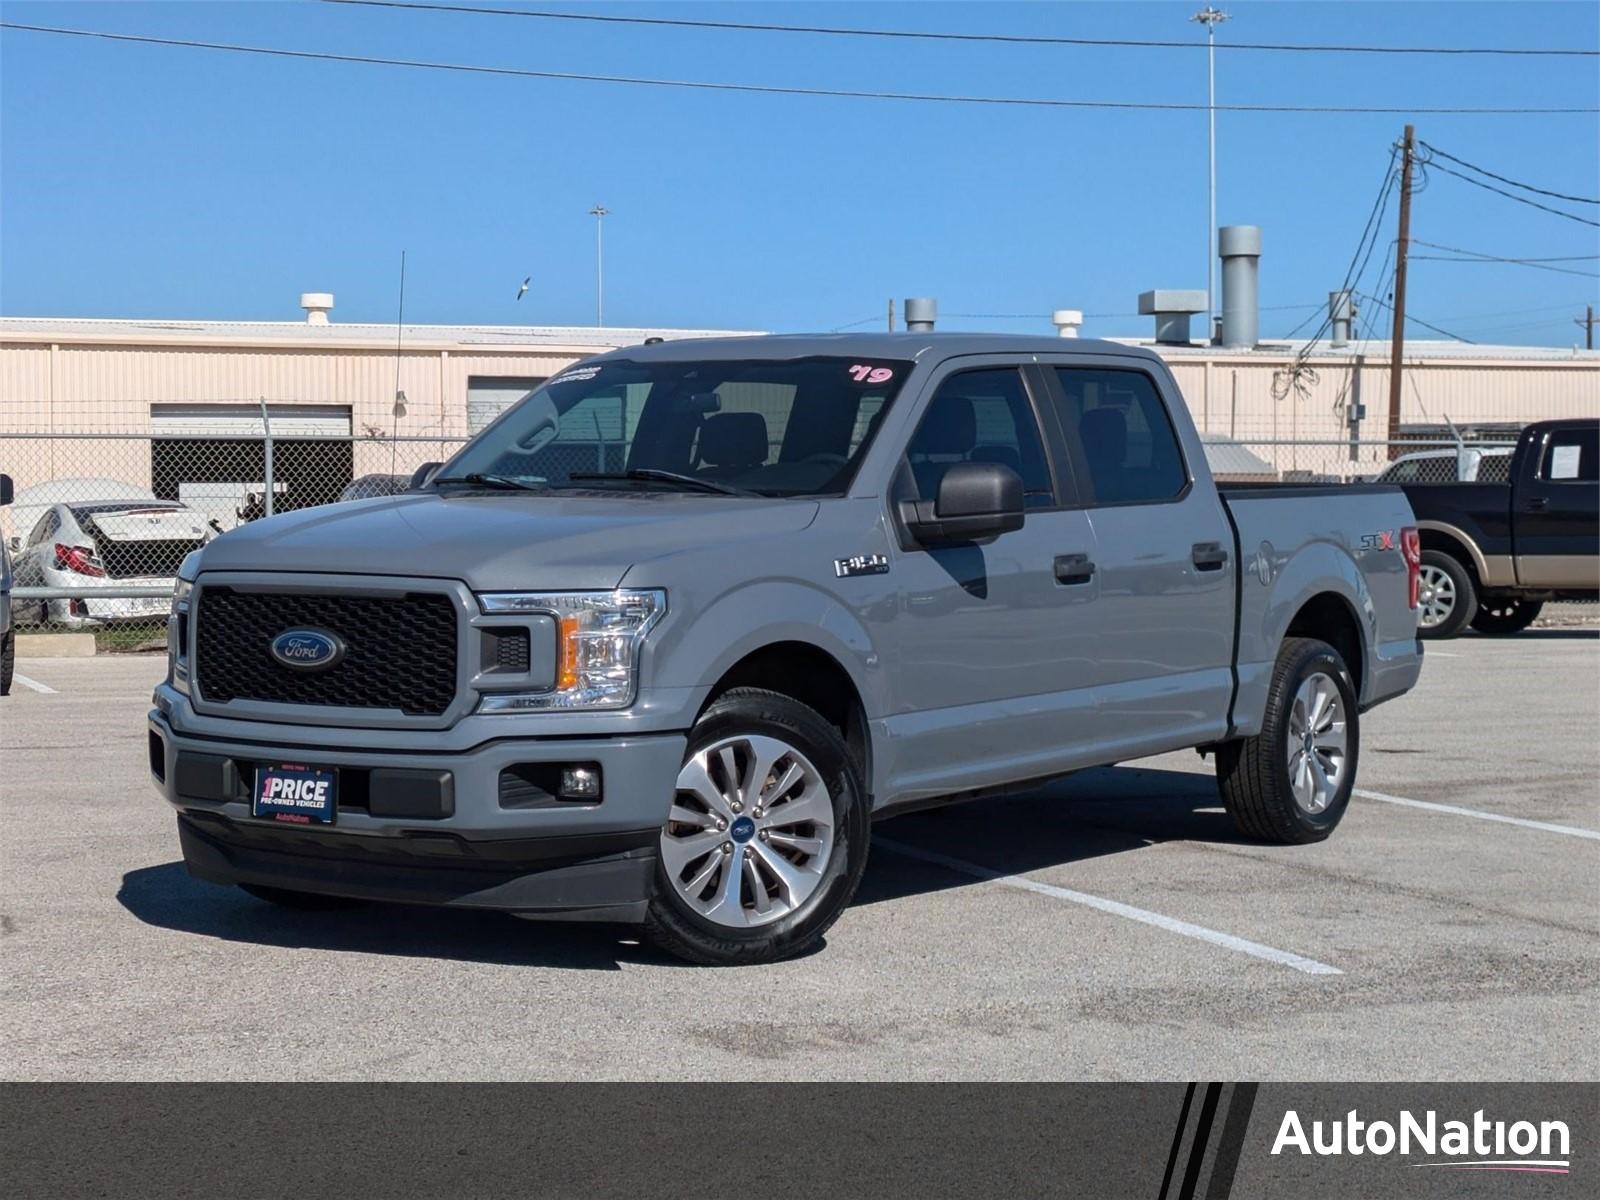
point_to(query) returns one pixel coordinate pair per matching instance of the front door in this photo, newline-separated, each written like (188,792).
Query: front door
(1557,511)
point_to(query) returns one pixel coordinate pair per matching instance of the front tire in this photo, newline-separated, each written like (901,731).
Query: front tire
(1508,615)
(767,836)
(1291,783)
(1447,599)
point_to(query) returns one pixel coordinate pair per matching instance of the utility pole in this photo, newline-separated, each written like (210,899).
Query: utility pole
(599,212)
(1587,321)
(1397,346)
(1211,18)
(891,315)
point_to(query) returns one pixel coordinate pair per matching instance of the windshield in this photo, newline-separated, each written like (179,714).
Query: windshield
(791,428)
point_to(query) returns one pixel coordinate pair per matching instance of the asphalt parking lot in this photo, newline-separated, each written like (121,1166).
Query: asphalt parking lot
(1111,926)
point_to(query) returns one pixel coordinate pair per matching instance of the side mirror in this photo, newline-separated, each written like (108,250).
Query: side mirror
(6,490)
(422,474)
(976,501)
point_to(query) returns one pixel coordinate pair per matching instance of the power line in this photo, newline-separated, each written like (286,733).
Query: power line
(1457,254)
(1352,273)
(1489,187)
(1415,320)
(767,89)
(930,35)
(1527,187)
(1516,262)
(1495,258)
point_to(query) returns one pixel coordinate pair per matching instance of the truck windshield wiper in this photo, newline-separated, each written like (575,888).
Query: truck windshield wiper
(652,475)
(504,482)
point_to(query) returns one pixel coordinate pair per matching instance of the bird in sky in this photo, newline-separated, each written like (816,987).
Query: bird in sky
(524,286)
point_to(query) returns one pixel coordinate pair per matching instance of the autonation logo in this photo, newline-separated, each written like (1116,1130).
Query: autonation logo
(1476,1145)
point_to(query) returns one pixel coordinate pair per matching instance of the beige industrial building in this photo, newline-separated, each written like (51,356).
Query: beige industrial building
(177,406)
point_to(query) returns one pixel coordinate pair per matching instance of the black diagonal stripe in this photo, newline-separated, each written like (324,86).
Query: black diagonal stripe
(1177,1140)
(1202,1135)
(1231,1144)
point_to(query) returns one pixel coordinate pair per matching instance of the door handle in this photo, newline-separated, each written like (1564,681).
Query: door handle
(1073,569)
(1537,503)
(1208,556)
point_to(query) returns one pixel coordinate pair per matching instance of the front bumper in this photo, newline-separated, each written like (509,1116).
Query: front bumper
(602,878)
(554,859)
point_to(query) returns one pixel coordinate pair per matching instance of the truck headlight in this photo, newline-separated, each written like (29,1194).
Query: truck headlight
(598,639)
(178,632)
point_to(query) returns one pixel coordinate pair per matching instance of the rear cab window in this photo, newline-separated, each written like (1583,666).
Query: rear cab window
(1572,456)
(1122,429)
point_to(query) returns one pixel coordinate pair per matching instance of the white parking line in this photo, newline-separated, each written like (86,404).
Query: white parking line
(1455,811)
(32,683)
(1171,924)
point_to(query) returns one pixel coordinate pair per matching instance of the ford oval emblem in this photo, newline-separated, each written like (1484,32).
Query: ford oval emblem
(308,649)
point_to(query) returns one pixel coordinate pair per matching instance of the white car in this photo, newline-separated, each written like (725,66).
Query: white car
(1467,465)
(105,545)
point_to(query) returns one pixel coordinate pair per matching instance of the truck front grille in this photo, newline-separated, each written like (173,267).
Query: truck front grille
(400,651)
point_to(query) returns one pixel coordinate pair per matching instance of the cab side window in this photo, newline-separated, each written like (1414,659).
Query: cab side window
(1128,442)
(980,416)
(1572,456)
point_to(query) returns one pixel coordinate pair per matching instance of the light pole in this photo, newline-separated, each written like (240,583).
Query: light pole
(599,212)
(1211,17)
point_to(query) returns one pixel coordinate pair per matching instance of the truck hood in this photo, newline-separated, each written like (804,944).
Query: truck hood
(500,541)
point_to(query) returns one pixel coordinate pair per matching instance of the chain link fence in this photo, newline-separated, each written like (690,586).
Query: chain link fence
(101,521)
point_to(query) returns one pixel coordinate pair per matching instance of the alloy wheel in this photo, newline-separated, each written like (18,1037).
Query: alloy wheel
(1436,596)
(750,832)
(1318,743)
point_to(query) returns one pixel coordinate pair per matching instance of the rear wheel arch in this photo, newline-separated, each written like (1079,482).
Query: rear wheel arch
(1451,541)
(1331,618)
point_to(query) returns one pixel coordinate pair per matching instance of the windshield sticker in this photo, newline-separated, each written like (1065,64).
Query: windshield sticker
(577,375)
(866,373)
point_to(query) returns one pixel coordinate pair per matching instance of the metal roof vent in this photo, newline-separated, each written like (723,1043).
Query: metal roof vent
(1067,321)
(921,314)
(1341,310)
(1172,310)
(1240,249)
(317,305)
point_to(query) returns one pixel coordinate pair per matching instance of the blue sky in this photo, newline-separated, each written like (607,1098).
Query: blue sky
(163,182)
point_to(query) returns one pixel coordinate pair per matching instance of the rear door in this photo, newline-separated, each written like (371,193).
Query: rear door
(1557,510)
(994,644)
(1164,565)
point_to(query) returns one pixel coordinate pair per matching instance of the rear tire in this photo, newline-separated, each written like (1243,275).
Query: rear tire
(1291,783)
(770,797)
(1448,600)
(300,901)
(8,661)
(1508,615)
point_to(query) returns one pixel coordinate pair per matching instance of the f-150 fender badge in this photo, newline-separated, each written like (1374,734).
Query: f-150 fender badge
(861,564)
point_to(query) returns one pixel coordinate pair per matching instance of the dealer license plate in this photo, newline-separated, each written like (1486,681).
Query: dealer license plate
(295,794)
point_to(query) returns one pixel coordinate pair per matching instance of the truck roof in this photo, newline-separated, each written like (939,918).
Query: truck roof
(913,346)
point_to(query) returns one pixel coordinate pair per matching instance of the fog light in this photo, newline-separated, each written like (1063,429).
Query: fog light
(580,782)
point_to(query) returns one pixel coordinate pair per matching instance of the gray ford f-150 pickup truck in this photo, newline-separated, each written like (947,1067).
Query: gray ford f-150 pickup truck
(661,642)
